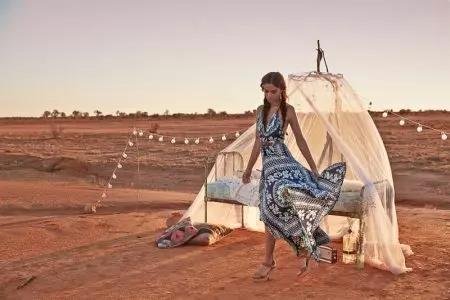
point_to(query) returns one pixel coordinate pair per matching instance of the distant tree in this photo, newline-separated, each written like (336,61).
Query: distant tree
(55,113)
(62,114)
(166,112)
(85,115)
(46,114)
(117,113)
(122,114)
(97,113)
(76,114)
(140,114)
(211,112)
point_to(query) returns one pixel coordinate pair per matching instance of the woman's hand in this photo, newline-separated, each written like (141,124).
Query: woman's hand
(246,176)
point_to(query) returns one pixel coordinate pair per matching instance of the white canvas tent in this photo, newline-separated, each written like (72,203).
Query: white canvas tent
(337,127)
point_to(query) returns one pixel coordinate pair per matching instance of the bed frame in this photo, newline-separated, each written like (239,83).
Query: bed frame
(382,186)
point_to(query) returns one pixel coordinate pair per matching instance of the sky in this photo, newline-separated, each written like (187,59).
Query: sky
(188,56)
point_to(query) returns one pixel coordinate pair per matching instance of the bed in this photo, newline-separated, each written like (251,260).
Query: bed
(227,187)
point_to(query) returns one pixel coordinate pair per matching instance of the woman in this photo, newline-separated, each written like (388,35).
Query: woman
(293,199)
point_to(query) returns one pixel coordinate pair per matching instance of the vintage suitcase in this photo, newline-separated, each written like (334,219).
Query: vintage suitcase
(328,254)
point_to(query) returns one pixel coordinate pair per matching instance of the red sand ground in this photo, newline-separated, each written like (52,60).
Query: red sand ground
(111,255)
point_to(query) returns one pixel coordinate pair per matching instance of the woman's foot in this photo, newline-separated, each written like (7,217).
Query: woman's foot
(264,270)
(306,265)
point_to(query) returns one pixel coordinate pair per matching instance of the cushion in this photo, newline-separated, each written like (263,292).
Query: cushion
(348,202)
(177,234)
(209,234)
(222,189)
(255,175)
(351,185)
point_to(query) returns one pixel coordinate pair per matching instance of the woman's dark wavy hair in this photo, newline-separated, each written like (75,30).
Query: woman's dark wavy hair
(277,80)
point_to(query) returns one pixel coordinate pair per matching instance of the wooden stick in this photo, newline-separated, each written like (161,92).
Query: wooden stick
(27,281)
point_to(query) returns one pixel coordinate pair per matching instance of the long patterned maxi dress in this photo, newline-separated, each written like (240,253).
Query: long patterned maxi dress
(292,201)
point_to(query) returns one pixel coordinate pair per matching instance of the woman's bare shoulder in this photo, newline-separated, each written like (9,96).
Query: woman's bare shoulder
(260,108)
(290,110)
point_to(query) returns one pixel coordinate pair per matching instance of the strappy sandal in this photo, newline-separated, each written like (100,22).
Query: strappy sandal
(305,266)
(264,271)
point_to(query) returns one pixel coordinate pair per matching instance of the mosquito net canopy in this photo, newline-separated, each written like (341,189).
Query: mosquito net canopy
(337,127)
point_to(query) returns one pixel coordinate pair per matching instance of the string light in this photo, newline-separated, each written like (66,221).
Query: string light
(420,126)
(403,120)
(129,143)
(224,138)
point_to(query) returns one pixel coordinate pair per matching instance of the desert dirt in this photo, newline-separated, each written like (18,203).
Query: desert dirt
(50,249)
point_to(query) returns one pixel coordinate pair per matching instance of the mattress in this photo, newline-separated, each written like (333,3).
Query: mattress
(232,188)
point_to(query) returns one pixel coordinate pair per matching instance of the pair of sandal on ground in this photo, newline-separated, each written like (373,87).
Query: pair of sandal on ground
(306,267)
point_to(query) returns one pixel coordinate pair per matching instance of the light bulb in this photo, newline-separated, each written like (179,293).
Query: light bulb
(224,138)
(420,128)
(402,122)
(130,144)
(197,141)
(211,140)
(237,134)
(141,133)
(385,114)
(124,155)
(173,141)
(103,195)
(161,139)
(114,176)
(150,137)
(134,132)
(119,166)
(109,185)
(443,136)
(186,141)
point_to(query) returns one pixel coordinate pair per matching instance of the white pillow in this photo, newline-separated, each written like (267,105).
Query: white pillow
(256,174)
(352,185)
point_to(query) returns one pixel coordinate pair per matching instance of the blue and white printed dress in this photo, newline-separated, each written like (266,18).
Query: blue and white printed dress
(292,201)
